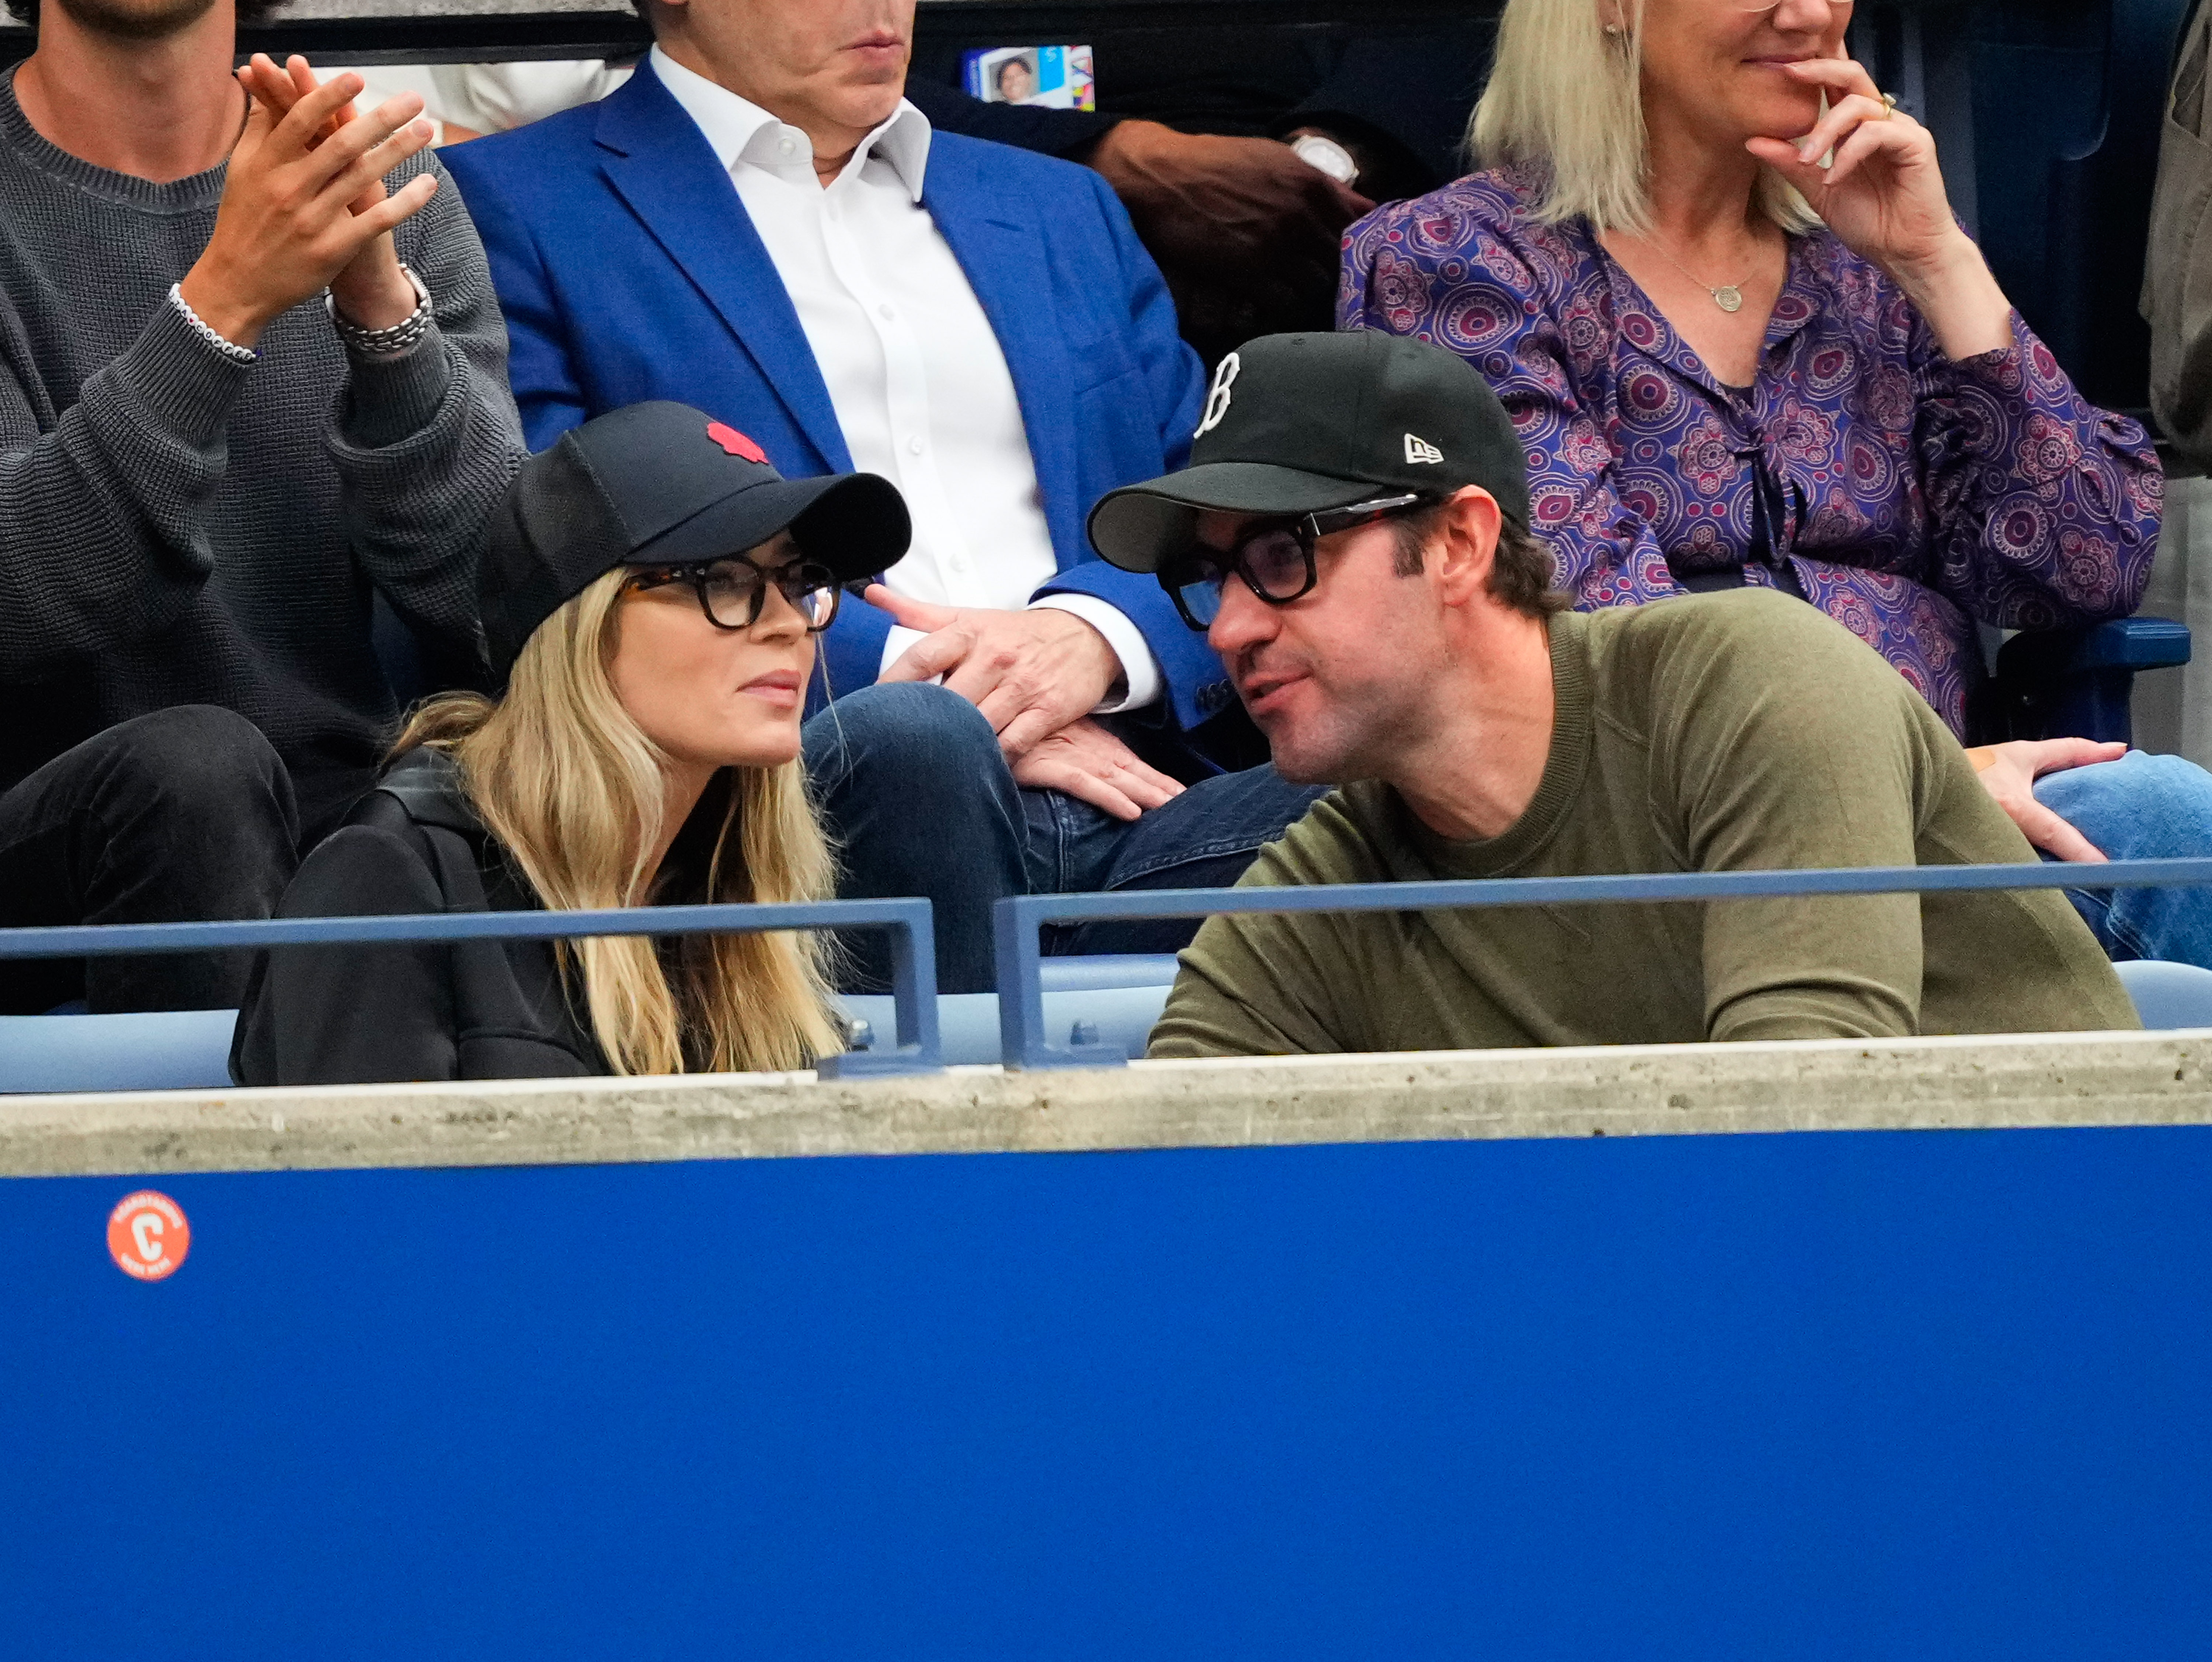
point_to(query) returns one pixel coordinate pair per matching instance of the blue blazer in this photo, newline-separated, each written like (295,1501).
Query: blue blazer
(629,270)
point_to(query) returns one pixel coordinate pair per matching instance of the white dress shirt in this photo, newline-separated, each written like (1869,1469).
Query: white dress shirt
(915,370)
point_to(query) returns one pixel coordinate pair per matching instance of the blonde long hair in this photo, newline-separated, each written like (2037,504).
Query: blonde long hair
(570,785)
(1566,99)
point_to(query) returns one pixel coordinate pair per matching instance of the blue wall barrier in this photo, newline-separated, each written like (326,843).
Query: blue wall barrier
(1836,1398)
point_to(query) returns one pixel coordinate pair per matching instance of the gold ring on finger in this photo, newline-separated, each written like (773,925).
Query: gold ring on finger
(1888,106)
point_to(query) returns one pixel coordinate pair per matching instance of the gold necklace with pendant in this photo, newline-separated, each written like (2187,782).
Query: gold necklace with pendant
(1728,296)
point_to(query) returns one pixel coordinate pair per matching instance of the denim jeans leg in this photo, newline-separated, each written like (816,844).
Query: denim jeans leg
(920,801)
(1072,849)
(1205,838)
(2141,808)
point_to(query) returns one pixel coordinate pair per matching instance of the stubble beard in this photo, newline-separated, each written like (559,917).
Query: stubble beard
(1353,741)
(147,19)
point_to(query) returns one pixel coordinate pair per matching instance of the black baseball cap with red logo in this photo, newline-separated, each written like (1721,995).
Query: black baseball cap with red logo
(663,484)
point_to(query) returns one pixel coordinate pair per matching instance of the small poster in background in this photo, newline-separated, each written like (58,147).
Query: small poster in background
(1058,77)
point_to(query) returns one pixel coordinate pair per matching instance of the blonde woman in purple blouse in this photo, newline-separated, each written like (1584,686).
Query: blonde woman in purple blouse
(1714,276)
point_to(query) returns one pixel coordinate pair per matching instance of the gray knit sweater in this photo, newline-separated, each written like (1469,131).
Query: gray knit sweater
(176,528)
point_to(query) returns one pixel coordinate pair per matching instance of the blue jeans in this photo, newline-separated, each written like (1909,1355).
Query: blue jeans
(921,802)
(2141,808)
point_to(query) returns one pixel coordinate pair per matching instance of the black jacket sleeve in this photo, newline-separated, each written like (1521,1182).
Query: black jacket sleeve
(352,1015)
(1065,133)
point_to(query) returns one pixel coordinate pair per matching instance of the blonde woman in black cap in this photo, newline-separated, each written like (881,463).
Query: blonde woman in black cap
(651,600)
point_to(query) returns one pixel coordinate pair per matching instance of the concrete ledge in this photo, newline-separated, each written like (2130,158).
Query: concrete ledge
(2036,1080)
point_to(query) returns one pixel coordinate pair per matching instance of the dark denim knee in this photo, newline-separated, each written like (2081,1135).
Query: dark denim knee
(910,742)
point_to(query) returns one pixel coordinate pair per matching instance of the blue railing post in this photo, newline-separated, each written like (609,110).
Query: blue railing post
(1022,1041)
(913,993)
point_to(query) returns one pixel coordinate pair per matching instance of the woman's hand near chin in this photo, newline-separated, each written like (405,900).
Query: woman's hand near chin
(1883,195)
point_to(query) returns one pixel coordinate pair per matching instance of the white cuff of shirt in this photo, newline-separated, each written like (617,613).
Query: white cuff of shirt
(1140,670)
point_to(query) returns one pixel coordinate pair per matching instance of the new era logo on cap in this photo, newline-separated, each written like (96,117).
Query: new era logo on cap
(1419,451)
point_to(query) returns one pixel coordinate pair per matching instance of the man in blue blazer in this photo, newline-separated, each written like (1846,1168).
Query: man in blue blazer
(759,224)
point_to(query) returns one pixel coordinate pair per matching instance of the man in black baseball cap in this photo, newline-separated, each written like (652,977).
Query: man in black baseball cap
(1352,535)
(664,484)
(1300,424)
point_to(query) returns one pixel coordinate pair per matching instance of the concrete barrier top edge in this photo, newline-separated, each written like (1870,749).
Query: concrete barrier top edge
(2026,1081)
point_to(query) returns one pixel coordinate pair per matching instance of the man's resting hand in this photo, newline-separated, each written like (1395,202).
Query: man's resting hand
(1030,673)
(1088,762)
(2009,772)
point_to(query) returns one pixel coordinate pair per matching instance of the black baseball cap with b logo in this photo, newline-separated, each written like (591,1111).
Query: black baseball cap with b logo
(1297,424)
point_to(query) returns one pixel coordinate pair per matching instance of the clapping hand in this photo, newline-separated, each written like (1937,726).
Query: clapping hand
(304,206)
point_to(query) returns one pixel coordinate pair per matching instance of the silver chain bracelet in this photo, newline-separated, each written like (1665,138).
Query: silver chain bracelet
(400,338)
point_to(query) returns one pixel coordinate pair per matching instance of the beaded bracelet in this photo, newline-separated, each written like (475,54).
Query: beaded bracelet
(229,348)
(401,338)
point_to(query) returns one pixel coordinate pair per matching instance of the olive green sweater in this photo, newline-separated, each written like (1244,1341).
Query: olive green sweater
(1729,732)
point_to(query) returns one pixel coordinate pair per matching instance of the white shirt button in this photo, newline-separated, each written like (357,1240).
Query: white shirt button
(788,146)
(914,445)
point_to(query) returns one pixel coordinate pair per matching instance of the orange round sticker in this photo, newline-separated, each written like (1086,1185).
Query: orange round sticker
(147,1236)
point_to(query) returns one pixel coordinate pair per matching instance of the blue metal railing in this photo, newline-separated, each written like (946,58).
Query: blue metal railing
(913,942)
(1018,921)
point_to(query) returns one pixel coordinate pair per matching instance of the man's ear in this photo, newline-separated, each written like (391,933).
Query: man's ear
(1465,546)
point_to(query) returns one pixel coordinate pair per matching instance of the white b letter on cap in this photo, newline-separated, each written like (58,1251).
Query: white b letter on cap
(1216,401)
(1420,450)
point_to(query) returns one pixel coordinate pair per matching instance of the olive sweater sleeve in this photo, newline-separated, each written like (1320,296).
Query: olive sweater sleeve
(1840,763)
(1272,984)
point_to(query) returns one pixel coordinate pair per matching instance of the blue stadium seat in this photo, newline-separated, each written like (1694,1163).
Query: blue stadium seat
(399,652)
(968,1023)
(164,1050)
(1076,975)
(2077,683)
(2169,996)
(190,1049)
(417,665)
(2048,118)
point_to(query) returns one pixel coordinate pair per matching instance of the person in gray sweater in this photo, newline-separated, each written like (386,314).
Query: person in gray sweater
(253,375)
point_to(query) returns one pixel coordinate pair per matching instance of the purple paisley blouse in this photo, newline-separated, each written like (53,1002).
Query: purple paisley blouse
(1914,494)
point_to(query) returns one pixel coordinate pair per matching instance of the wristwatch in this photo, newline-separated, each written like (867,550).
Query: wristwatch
(1326,154)
(401,338)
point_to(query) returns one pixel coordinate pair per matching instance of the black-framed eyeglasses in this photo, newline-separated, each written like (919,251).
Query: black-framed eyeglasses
(1274,557)
(733,590)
